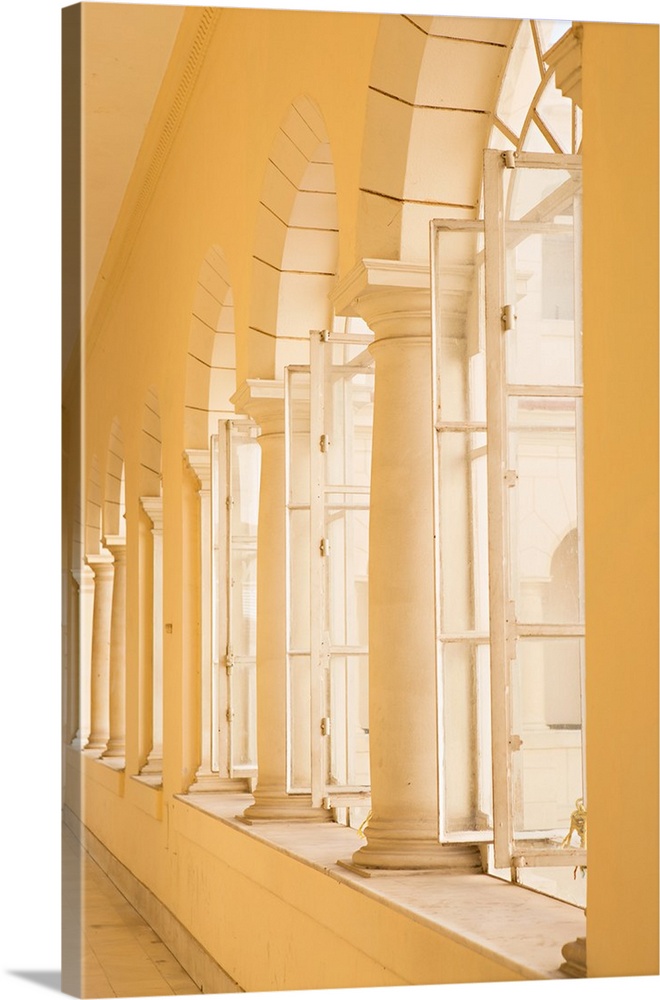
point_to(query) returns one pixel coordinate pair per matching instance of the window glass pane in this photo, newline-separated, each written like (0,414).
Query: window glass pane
(555,110)
(299,580)
(298,437)
(463,531)
(346,563)
(550,32)
(466,738)
(521,80)
(546,714)
(243,597)
(569,884)
(244,715)
(544,543)
(349,716)
(541,276)
(245,473)
(534,141)
(299,731)
(348,420)
(459,325)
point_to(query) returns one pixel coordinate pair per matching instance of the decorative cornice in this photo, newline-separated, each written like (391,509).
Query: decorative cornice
(199,462)
(153,508)
(116,544)
(262,399)
(392,296)
(372,274)
(131,216)
(565,57)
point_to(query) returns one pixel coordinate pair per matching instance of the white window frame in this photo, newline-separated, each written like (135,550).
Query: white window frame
(224,540)
(320,649)
(504,630)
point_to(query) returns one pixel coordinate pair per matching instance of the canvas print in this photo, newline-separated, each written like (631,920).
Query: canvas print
(359,500)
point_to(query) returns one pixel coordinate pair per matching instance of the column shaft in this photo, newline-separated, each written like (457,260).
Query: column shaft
(403,831)
(103,569)
(116,746)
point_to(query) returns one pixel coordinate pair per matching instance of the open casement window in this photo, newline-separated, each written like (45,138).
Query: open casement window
(328,431)
(235,557)
(508,505)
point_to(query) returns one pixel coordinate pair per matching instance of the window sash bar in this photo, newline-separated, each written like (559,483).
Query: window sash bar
(497,524)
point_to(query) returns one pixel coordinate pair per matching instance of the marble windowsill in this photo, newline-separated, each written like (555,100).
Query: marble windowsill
(519,928)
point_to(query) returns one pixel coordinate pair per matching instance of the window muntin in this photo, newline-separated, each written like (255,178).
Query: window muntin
(532,115)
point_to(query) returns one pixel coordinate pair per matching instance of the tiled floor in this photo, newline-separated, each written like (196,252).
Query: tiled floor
(118,954)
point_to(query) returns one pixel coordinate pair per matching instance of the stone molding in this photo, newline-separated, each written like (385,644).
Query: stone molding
(565,57)
(262,400)
(199,463)
(153,508)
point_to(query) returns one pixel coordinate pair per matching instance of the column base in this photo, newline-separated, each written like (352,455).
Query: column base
(391,846)
(422,856)
(115,748)
(210,782)
(154,765)
(575,953)
(96,742)
(280,807)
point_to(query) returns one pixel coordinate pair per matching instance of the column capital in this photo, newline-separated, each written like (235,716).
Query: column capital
(153,508)
(392,296)
(199,462)
(116,545)
(97,560)
(83,576)
(565,57)
(263,400)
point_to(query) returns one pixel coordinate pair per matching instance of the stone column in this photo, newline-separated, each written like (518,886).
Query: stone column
(403,831)
(102,567)
(116,746)
(71,657)
(83,581)
(153,508)
(263,400)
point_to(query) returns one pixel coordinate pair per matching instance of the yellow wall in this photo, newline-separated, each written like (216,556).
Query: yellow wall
(620,90)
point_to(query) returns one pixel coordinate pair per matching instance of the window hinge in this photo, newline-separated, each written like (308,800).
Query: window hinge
(515,742)
(323,335)
(510,477)
(229,659)
(229,502)
(229,715)
(509,157)
(324,443)
(509,318)
(511,631)
(325,726)
(324,546)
